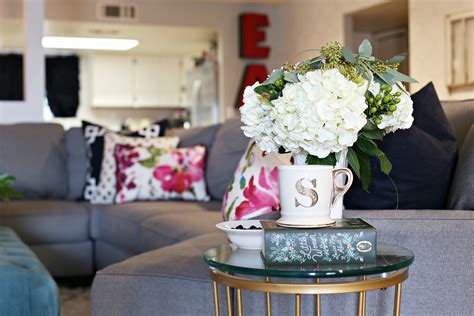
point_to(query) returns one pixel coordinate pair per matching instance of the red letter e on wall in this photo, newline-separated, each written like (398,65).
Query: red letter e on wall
(251,35)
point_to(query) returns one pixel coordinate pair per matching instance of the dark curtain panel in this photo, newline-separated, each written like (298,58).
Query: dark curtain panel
(62,85)
(11,77)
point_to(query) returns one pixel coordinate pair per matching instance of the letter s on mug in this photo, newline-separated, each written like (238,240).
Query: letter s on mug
(309,193)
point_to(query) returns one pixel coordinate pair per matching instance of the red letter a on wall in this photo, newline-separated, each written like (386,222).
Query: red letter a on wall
(252,73)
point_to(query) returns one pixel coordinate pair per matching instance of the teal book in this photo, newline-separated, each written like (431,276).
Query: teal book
(350,240)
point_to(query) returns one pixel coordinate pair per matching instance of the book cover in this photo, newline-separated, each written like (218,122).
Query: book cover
(350,240)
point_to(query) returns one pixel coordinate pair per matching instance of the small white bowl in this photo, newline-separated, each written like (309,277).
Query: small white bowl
(243,238)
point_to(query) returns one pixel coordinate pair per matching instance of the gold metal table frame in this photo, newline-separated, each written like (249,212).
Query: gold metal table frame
(267,286)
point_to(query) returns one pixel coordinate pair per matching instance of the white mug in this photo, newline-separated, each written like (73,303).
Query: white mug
(307,194)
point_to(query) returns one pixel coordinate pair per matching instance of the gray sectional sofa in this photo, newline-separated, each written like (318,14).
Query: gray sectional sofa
(149,254)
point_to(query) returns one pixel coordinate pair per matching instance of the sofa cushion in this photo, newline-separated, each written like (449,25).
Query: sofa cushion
(46,221)
(229,146)
(423,159)
(196,136)
(76,163)
(35,154)
(153,281)
(461,116)
(461,196)
(120,224)
(167,229)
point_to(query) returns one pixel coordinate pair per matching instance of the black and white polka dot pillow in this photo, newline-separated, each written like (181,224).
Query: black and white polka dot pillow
(94,136)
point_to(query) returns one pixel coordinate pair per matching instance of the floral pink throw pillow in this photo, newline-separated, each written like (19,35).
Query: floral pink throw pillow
(253,190)
(150,173)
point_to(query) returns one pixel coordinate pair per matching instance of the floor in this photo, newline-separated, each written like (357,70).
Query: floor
(75,297)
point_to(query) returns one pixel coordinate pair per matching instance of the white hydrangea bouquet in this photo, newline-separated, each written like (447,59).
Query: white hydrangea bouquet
(334,104)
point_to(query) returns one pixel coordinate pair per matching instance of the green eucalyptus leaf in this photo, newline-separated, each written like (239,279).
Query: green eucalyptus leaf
(400,86)
(274,76)
(400,77)
(291,77)
(314,160)
(315,65)
(348,55)
(365,49)
(397,58)
(353,161)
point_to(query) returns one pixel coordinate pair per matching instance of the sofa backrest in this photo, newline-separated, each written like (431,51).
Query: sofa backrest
(35,154)
(461,116)
(77,164)
(229,146)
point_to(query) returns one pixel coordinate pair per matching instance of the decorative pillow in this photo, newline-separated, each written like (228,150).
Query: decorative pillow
(461,195)
(94,136)
(423,159)
(152,173)
(253,190)
(106,188)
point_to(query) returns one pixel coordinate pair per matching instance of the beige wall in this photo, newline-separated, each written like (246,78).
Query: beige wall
(309,24)
(428,42)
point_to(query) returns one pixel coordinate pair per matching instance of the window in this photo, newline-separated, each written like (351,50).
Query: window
(461,50)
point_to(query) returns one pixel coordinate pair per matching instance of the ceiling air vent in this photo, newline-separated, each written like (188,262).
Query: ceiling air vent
(127,12)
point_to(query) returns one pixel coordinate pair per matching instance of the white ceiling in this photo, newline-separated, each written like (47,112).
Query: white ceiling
(162,40)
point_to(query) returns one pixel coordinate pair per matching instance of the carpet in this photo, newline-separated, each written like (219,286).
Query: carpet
(75,299)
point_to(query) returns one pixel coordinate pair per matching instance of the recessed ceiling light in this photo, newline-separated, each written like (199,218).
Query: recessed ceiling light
(93,43)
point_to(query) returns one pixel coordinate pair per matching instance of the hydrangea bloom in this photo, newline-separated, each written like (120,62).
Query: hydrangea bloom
(255,114)
(321,114)
(402,118)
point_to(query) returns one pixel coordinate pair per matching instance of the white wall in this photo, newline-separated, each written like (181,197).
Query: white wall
(428,43)
(31,108)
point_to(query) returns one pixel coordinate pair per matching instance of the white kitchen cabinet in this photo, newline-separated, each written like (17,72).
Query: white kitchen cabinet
(112,78)
(136,81)
(157,81)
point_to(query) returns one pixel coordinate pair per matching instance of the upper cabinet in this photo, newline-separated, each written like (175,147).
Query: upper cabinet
(135,81)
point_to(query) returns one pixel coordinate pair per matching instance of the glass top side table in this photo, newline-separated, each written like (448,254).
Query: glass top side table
(226,262)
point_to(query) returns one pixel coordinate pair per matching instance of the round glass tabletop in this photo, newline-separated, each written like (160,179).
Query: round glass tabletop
(228,258)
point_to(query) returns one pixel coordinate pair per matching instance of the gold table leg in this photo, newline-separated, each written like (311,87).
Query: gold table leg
(298,304)
(317,301)
(398,299)
(268,300)
(362,301)
(239,302)
(216,298)
(229,301)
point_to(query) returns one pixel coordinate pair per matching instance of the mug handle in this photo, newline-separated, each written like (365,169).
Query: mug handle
(341,190)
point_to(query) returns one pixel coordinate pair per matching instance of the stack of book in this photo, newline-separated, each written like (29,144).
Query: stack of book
(348,241)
